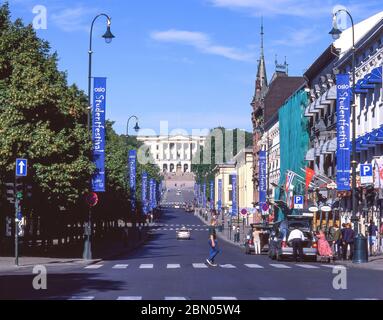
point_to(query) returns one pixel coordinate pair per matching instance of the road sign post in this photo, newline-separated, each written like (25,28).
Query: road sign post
(21,171)
(366,174)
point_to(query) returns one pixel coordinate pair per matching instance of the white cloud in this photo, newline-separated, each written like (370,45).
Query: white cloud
(299,37)
(73,19)
(300,8)
(202,42)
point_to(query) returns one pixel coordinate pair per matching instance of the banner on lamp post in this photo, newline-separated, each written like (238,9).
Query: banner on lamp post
(151,187)
(343,132)
(204,195)
(212,203)
(219,195)
(98,133)
(262,178)
(144,192)
(234,210)
(132,176)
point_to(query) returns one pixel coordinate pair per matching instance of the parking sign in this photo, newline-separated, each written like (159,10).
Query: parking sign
(366,174)
(298,202)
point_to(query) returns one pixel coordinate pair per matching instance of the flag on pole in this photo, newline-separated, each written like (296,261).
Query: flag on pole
(310,173)
(289,180)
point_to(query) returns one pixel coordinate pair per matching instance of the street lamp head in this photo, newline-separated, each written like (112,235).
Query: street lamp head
(108,36)
(137,127)
(335,31)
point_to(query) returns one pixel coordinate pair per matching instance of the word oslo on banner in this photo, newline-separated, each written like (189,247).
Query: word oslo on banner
(343,153)
(98,133)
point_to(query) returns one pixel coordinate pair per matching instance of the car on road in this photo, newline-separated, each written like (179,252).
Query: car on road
(189,208)
(183,234)
(280,248)
(264,236)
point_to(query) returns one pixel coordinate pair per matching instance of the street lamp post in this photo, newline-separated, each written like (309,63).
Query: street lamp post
(358,246)
(108,36)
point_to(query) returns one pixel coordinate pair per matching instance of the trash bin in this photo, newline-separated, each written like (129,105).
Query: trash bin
(360,249)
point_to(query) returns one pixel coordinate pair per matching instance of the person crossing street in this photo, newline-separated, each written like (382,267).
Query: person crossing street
(213,244)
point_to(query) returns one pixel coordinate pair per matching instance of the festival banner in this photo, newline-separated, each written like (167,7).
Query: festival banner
(234,210)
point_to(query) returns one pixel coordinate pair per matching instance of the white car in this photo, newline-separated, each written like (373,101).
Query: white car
(183,234)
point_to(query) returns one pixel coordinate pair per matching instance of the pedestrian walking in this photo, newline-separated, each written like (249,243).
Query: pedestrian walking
(348,241)
(213,244)
(324,248)
(296,238)
(337,241)
(372,237)
(257,241)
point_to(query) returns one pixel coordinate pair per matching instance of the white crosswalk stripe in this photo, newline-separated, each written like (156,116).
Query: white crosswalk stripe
(175,298)
(94,266)
(120,266)
(228,266)
(132,298)
(79,298)
(146,266)
(271,298)
(307,266)
(333,266)
(280,266)
(254,266)
(318,299)
(199,266)
(223,298)
(173,266)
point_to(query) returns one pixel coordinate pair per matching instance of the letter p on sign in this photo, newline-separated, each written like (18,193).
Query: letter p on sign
(366,174)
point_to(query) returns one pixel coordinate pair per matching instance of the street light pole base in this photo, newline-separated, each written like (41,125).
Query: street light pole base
(87,254)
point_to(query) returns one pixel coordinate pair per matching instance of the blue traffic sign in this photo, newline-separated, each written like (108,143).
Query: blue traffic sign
(366,174)
(298,202)
(21,167)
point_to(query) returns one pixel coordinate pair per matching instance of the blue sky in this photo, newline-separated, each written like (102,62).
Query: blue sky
(189,62)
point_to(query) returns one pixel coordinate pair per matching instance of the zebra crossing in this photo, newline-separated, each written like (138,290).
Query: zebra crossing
(202,265)
(176,227)
(214,298)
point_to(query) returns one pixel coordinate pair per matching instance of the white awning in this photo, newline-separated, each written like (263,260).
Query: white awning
(310,156)
(324,148)
(317,152)
(332,146)
(331,93)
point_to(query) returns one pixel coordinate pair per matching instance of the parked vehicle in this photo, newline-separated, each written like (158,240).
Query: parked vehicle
(183,234)
(280,248)
(264,236)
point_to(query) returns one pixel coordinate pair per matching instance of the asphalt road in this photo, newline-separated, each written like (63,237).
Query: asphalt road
(165,268)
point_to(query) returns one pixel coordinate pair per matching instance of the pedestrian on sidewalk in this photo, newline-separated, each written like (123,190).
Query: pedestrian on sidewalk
(213,244)
(348,242)
(296,238)
(372,237)
(257,241)
(337,241)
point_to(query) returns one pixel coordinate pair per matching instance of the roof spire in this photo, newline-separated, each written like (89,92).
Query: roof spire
(262,38)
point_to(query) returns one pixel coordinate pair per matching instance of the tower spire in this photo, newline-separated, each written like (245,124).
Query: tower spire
(262,38)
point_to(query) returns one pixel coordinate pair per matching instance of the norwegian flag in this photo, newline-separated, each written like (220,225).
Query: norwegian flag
(289,180)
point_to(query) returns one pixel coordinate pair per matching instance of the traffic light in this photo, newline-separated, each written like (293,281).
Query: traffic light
(19,189)
(10,192)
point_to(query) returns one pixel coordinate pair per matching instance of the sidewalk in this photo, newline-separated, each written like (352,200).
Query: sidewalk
(374,263)
(101,251)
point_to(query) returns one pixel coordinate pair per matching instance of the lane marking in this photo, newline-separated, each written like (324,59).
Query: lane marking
(280,266)
(271,298)
(318,299)
(129,298)
(78,298)
(254,266)
(175,298)
(120,266)
(227,266)
(200,266)
(307,266)
(94,266)
(146,266)
(224,298)
(173,266)
(366,299)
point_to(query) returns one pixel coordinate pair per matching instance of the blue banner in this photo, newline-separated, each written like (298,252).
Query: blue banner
(151,188)
(234,210)
(98,133)
(262,178)
(132,176)
(219,195)
(154,194)
(144,193)
(212,204)
(343,153)
(204,195)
